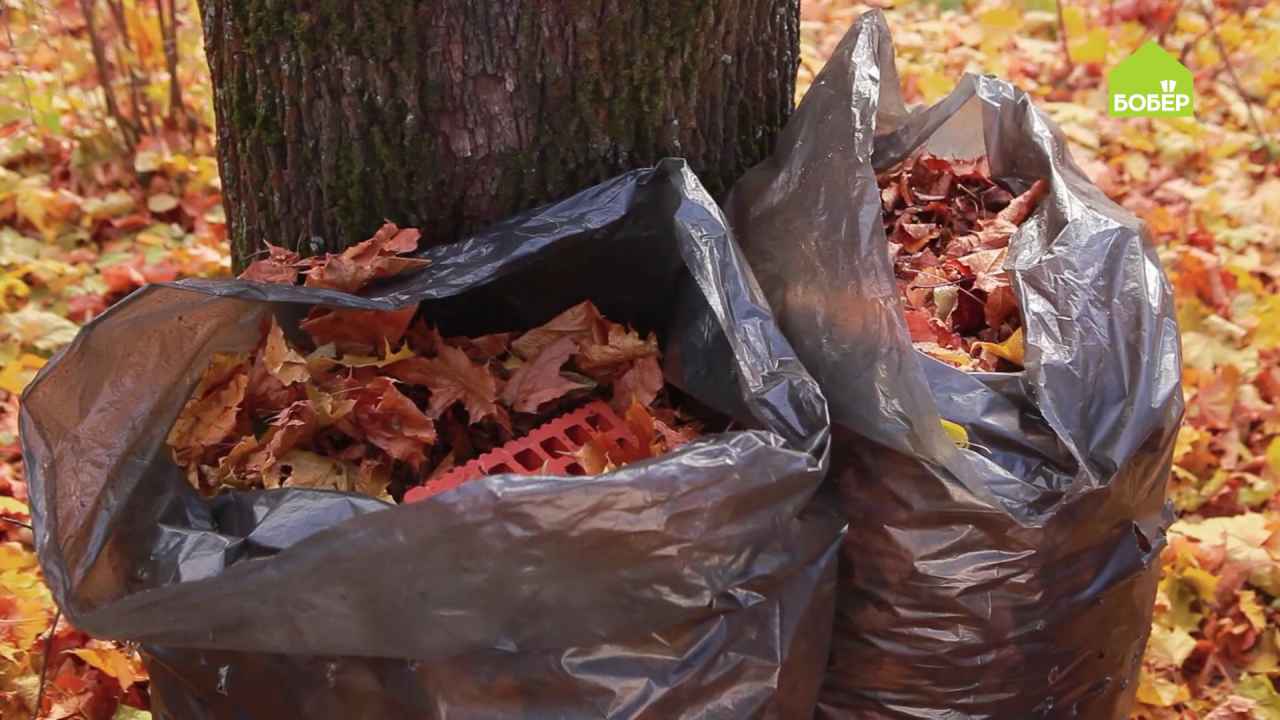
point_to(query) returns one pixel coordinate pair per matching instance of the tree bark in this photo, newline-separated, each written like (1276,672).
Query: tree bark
(449,115)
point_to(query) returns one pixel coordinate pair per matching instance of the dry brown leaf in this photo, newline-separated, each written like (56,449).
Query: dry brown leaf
(280,266)
(452,377)
(359,332)
(374,259)
(580,321)
(211,415)
(539,380)
(389,420)
(283,362)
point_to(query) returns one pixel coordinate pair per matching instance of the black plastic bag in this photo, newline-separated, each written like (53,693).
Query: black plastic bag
(698,584)
(1013,579)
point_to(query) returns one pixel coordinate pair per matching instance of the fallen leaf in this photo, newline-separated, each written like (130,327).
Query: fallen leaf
(359,332)
(280,266)
(283,362)
(539,380)
(581,321)
(374,259)
(452,377)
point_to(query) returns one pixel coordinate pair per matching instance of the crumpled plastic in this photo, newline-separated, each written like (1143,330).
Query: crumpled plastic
(698,584)
(1013,578)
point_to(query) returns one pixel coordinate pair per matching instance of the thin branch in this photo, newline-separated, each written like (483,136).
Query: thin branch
(19,523)
(1062,34)
(141,106)
(44,667)
(22,76)
(104,75)
(1235,78)
(169,31)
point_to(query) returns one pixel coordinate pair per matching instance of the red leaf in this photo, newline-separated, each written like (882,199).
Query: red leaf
(451,377)
(389,420)
(603,360)
(539,380)
(279,266)
(373,259)
(641,383)
(361,332)
(580,321)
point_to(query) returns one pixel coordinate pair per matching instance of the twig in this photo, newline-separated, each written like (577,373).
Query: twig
(1235,79)
(137,98)
(44,667)
(22,76)
(1062,33)
(11,521)
(1191,45)
(169,31)
(104,75)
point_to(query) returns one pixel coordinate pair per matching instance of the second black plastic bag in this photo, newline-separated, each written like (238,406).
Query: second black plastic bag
(1014,578)
(697,584)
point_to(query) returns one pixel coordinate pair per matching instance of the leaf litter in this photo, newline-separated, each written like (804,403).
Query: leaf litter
(379,401)
(948,226)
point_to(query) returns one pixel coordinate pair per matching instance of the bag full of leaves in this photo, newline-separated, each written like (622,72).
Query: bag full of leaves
(215,468)
(997,345)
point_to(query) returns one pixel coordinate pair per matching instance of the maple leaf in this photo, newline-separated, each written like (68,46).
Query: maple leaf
(582,321)
(115,661)
(622,347)
(211,415)
(306,469)
(539,380)
(363,263)
(38,328)
(640,383)
(485,347)
(280,266)
(452,377)
(988,269)
(282,361)
(360,332)
(389,420)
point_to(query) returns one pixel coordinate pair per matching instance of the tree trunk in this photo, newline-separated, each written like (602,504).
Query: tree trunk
(451,114)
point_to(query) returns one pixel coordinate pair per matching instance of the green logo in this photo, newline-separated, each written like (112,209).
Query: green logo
(1150,83)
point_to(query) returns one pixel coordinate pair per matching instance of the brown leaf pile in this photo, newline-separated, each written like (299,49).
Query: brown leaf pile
(375,402)
(948,225)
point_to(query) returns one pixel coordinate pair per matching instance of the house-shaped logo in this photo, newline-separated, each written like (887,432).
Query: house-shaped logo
(1150,83)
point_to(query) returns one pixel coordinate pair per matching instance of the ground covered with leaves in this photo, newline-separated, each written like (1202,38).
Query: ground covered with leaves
(99,196)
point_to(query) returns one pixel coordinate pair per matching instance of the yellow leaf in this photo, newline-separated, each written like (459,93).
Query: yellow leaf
(1252,609)
(1186,440)
(113,661)
(956,432)
(15,557)
(1267,315)
(1013,349)
(1203,582)
(1161,691)
(1073,18)
(1169,647)
(1273,455)
(1264,658)
(1092,47)
(1000,23)
(15,376)
(388,357)
(934,86)
(13,506)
